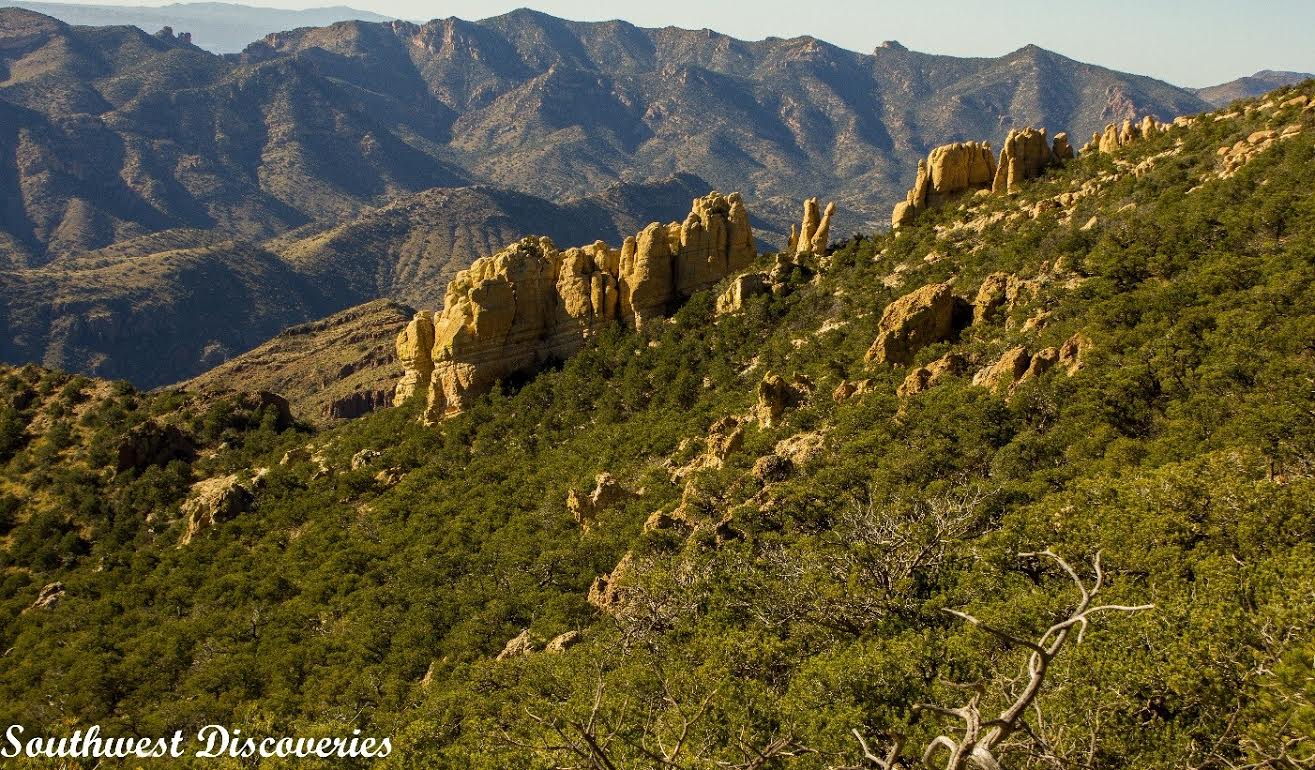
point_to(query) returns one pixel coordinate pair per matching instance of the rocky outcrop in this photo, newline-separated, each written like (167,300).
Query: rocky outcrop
(999,294)
(948,171)
(531,303)
(926,377)
(1071,353)
(742,288)
(847,389)
(562,642)
(153,444)
(415,343)
(952,170)
(929,315)
(1006,371)
(216,500)
(49,597)
(814,233)
(1016,366)
(359,403)
(1118,135)
(1025,155)
(518,646)
(775,395)
(608,493)
(606,592)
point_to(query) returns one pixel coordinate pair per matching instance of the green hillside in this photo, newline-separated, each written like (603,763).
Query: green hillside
(772,596)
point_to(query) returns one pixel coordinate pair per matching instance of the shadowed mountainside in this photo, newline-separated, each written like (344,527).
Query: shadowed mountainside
(110,133)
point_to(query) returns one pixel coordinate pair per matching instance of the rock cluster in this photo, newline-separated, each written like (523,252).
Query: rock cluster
(531,303)
(775,395)
(1016,365)
(954,169)
(1121,135)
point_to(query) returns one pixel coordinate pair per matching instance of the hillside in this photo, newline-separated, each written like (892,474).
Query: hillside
(217,27)
(333,369)
(1250,87)
(741,538)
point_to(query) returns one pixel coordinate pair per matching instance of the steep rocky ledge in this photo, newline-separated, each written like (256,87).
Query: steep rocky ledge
(531,303)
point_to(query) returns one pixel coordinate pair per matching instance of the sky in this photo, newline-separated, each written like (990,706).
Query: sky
(1197,43)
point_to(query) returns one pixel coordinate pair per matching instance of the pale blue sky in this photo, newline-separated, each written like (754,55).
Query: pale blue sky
(1195,43)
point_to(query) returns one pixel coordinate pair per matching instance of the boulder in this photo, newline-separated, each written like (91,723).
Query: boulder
(518,646)
(1042,361)
(742,288)
(1006,371)
(1062,150)
(608,493)
(607,592)
(414,345)
(773,467)
(926,377)
(775,395)
(365,458)
(912,322)
(562,642)
(848,389)
(49,597)
(1070,353)
(214,501)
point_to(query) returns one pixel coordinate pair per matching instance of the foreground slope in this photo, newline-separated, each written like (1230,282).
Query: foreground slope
(767,566)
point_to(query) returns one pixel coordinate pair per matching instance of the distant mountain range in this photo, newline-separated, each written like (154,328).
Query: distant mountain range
(307,164)
(1245,88)
(217,27)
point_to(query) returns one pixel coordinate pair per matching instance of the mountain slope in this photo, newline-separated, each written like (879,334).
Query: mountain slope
(772,564)
(1260,83)
(115,133)
(217,27)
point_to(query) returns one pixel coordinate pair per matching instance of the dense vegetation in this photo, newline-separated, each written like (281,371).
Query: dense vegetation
(797,610)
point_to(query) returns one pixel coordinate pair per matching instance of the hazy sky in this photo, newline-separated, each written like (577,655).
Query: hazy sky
(1196,43)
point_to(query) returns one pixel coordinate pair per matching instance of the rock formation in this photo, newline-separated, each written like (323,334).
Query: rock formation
(216,500)
(775,395)
(954,169)
(1026,155)
(914,321)
(1006,371)
(948,171)
(49,597)
(999,294)
(531,303)
(518,646)
(608,493)
(1121,135)
(814,233)
(741,289)
(415,343)
(926,377)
